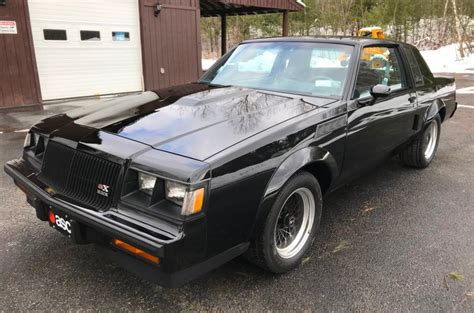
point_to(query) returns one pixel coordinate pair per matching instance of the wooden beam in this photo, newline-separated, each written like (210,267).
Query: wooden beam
(239,11)
(223,34)
(285,24)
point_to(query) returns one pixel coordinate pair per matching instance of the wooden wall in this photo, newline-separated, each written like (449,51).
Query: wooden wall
(19,83)
(171,43)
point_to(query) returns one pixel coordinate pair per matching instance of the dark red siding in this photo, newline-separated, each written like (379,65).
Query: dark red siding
(19,84)
(170,42)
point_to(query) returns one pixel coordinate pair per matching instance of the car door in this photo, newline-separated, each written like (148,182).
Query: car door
(375,129)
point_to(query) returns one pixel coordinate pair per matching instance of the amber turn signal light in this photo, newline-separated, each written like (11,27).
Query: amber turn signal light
(193,201)
(138,252)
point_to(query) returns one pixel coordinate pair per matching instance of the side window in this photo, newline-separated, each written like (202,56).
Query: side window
(54,34)
(414,67)
(379,65)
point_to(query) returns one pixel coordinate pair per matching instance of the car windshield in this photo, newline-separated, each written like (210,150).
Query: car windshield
(316,69)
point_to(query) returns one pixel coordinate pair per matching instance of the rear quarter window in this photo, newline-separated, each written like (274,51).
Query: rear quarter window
(425,70)
(415,69)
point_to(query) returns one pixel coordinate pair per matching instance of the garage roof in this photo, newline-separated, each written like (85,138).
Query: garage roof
(243,7)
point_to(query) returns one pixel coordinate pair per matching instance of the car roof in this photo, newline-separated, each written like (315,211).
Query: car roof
(348,40)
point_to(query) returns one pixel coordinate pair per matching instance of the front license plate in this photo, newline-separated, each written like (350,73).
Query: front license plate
(61,222)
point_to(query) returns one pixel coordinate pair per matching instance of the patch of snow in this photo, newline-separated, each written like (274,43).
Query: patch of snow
(447,60)
(301,2)
(207,63)
(466,91)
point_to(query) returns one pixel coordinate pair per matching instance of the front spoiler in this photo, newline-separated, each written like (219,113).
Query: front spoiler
(178,266)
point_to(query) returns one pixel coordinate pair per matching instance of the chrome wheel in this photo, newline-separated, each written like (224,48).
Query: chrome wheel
(430,140)
(295,222)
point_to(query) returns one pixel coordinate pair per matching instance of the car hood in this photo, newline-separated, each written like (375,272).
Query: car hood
(195,120)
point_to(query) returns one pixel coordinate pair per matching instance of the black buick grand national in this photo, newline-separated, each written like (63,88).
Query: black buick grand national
(173,183)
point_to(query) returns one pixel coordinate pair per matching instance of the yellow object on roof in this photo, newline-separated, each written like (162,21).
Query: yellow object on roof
(371,32)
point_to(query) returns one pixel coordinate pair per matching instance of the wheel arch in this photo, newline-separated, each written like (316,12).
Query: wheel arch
(321,171)
(437,107)
(316,160)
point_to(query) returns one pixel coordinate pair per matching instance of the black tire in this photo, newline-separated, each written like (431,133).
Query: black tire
(263,250)
(414,155)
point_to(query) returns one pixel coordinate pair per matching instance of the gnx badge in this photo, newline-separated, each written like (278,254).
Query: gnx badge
(103,190)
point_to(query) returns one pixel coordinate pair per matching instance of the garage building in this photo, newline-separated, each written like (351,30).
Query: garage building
(57,49)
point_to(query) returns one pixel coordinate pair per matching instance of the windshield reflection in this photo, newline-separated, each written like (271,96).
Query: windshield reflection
(316,69)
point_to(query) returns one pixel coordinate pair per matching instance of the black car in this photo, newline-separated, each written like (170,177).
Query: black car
(175,182)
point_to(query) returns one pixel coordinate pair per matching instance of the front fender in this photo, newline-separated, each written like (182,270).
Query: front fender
(298,160)
(291,165)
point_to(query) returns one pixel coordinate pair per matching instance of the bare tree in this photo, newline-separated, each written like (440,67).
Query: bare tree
(458,29)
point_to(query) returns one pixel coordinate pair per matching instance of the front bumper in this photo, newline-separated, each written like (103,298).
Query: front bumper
(180,247)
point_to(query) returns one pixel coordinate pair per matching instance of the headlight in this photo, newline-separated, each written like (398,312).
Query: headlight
(146,183)
(27,141)
(191,201)
(175,192)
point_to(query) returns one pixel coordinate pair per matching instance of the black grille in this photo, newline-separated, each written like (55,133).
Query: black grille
(76,175)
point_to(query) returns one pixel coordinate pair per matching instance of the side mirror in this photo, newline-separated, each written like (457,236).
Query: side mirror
(379,91)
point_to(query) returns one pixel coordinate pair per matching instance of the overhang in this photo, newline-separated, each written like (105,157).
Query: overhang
(245,7)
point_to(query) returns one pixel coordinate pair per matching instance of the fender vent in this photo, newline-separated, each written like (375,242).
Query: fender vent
(416,122)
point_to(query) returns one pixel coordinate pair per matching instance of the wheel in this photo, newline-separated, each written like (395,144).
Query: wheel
(290,226)
(422,151)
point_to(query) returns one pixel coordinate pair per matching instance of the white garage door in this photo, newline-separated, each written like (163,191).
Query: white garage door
(86,47)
